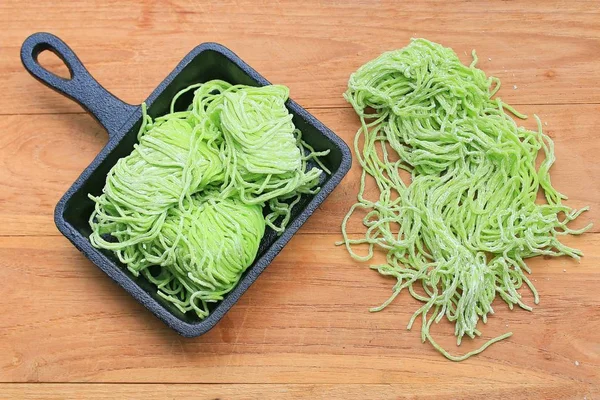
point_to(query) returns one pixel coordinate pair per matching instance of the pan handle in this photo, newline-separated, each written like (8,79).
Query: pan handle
(111,112)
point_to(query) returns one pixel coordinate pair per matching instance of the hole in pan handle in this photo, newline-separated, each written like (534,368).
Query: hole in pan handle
(111,112)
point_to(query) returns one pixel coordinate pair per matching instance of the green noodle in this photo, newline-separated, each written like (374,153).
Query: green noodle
(462,228)
(185,208)
(205,247)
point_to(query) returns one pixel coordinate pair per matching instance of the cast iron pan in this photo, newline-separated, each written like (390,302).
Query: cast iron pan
(122,122)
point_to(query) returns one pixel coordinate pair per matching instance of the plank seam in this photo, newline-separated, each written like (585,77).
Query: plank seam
(306,107)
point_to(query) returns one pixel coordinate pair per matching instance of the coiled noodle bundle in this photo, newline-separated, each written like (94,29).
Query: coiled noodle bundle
(185,208)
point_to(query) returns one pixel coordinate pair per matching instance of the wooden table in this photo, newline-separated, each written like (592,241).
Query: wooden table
(303,330)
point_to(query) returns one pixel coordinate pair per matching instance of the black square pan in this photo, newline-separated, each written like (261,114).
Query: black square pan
(121,120)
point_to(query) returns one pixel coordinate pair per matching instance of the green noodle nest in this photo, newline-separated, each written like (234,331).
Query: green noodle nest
(185,208)
(463,226)
(206,246)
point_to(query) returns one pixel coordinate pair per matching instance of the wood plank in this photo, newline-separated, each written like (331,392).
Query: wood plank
(303,330)
(41,156)
(283,392)
(548,49)
(305,320)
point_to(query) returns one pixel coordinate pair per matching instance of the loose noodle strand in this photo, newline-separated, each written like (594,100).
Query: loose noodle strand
(468,218)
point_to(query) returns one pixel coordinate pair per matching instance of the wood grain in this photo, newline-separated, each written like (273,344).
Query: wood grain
(305,320)
(550,50)
(280,392)
(38,165)
(303,330)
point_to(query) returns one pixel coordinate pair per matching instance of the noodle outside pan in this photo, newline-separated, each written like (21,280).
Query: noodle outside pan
(122,122)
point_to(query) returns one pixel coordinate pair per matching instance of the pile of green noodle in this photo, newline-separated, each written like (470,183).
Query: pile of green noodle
(462,228)
(185,208)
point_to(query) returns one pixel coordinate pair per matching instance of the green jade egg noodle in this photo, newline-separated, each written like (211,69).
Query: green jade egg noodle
(185,208)
(464,225)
